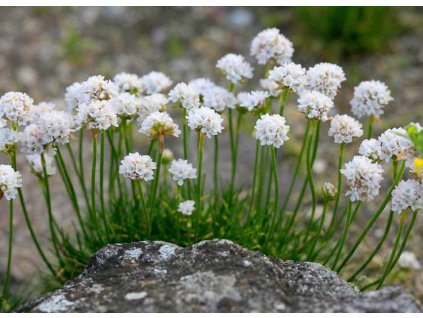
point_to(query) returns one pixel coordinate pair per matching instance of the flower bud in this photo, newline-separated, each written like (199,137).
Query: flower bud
(167,156)
(329,192)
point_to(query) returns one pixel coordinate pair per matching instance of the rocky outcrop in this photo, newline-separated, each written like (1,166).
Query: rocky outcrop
(211,276)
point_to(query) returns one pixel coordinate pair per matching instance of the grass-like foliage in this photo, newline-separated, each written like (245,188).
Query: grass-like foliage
(119,195)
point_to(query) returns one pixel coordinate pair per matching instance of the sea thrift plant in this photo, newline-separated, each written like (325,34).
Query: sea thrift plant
(128,186)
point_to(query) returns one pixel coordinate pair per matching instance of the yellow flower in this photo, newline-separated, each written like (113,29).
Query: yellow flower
(418,166)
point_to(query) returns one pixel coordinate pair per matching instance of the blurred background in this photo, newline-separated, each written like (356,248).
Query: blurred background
(43,50)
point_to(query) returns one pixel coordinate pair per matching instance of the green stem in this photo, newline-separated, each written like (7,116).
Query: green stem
(81,167)
(199,185)
(276,196)
(370,127)
(93,185)
(344,234)
(216,173)
(144,207)
(185,132)
(311,183)
(373,218)
(253,188)
(319,231)
(282,101)
(233,166)
(103,210)
(155,186)
(9,256)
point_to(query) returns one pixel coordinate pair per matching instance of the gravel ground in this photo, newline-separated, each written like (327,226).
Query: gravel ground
(44,50)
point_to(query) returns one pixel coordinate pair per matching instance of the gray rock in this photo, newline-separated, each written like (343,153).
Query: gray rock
(211,276)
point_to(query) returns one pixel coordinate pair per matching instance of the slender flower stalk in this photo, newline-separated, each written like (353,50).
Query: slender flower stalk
(199,180)
(319,231)
(81,168)
(216,172)
(102,206)
(272,223)
(93,182)
(9,257)
(155,185)
(370,127)
(253,187)
(344,234)
(282,101)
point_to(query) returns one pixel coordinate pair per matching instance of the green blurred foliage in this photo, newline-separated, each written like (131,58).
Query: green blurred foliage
(74,47)
(337,32)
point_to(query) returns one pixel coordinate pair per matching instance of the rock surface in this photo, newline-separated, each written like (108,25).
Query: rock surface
(211,276)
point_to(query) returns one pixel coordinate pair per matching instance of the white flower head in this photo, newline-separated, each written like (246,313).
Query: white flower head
(137,167)
(253,100)
(186,207)
(150,104)
(202,85)
(271,130)
(185,94)
(325,78)
(31,139)
(10,181)
(370,98)
(344,129)
(219,99)
(128,83)
(126,105)
(205,120)
(39,109)
(409,260)
(395,145)
(159,124)
(235,68)
(181,170)
(96,115)
(288,76)
(74,95)
(56,127)
(36,165)
(16,107)
(155,82)
(407,195)
(97,88)
(371,149)
(269,45)
(8,139)
(363,177)
(270,86)
(3,123)
(315,105)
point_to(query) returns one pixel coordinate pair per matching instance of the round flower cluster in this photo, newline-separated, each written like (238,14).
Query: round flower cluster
(73,95)
(370,97)
(155,82)
(10,180)
(180,170)
(150,104)
(288,76)
(407,194)
(271,45)
(205,120)
(31,139)
(202,85)
(363,177)
(371,149)
(16,107)
(97,88)
(186,207)
(271,130)
(8,138)
(126,105)
(395,145)
(159,124)
(186,95)
(96,115)
(56,127)
(344,128)
(329,191)
(270,86)
(39,109)
(315,105)
(218,98)
(235,68)
(325,78)
(137,167)
(252,100)
(36,164)
(129,83)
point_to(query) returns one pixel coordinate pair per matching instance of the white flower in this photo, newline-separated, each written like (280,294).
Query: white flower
(271,130)
(8,138)
(315,105)
(270,86)
(10,180)
(126,105)
(159,124)
(32,139)
(96,115)
(344,128)
(56,127)
(97,88)
(370,97)
(180,170)
(254,99)
(3,123)
(395,145)
(363,177)
(155,82)
(74,95)
(186,207)
(270,44)
(16,107)
(205,120)
(202,85)
(329,191)
(218,98)
(288,76)
(409,260)
(39,109)
(186,95)
(407,194)
(371,149)
(35,162)
(129,83)
(137,167)
(150,104)
(235,68)
(325,78)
